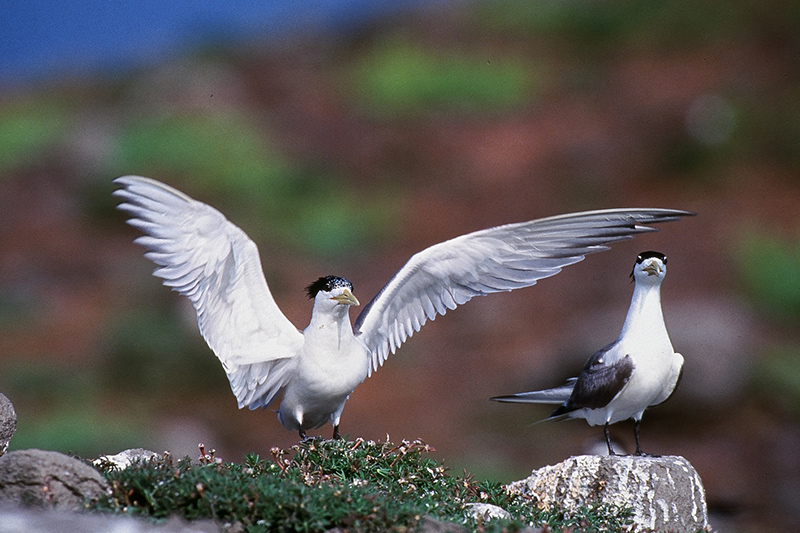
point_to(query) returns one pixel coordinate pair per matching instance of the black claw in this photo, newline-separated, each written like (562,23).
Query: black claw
(303,435)
(336,435)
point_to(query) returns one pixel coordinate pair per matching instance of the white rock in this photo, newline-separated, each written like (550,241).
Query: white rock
(486,511)
(665,493)
(124,459)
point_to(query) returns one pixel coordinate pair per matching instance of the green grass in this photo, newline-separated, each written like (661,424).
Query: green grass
(319,485)
(225,160)
(601,25)
(29,129)
(81,429)
(399,78)
(59,408)
(148,350)
(224,153)
(767,265)
(776,377)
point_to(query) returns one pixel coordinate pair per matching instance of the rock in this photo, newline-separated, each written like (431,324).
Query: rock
(8,422)
(15,520)
(124,459)
(432,525)
(426,525)
(666,493)
(486,511)
(44,478)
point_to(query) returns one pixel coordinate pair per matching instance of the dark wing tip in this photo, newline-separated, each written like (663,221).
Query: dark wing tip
(506,398)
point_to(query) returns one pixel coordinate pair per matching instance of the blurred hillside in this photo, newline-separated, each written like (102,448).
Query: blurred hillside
(345,153)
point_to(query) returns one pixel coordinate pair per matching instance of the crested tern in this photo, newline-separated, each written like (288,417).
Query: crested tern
(205,257)
(638,370)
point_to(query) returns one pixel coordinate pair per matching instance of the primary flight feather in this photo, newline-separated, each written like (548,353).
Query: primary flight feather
(202,255)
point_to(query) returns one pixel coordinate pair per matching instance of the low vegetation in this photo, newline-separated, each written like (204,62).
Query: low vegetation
(319,485)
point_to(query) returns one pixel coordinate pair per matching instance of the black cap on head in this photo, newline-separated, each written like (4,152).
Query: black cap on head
(648,254)
(327,283)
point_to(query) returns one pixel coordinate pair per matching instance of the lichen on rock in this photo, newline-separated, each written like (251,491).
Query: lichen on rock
(664,493)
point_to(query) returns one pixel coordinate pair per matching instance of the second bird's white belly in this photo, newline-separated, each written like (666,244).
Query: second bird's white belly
(652,381)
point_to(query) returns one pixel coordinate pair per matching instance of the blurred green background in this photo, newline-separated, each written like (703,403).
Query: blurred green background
(345,152)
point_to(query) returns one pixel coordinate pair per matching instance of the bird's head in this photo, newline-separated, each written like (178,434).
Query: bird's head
(650,268)
(333,291)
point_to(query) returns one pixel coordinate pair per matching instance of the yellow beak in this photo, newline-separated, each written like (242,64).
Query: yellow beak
(346,298)
(652,269)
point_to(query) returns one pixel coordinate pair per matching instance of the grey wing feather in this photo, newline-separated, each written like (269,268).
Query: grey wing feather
(502,258)
(601,380)
(555,395)
(257,384)
(206,258)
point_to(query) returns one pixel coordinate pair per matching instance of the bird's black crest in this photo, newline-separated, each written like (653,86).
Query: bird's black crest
(327,283)
(646,255)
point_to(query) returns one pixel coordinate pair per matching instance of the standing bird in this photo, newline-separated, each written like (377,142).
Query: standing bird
(203,256)
(638,370)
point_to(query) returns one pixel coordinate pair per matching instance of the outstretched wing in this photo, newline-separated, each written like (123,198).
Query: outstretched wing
(497,259)
(206,258)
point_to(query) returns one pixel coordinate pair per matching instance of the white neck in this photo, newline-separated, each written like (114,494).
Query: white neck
(645,313)
(329,326)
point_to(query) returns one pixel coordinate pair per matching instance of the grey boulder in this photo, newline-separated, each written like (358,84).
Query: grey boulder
(8,422)
(665,493)
(42,478)
(17,520)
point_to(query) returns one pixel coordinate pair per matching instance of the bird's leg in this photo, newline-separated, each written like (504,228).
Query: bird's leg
(608,440)
(636,424)
(336,435)
(303,435)
(639,451)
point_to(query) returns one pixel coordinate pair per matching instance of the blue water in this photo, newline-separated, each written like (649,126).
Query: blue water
(43,39)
